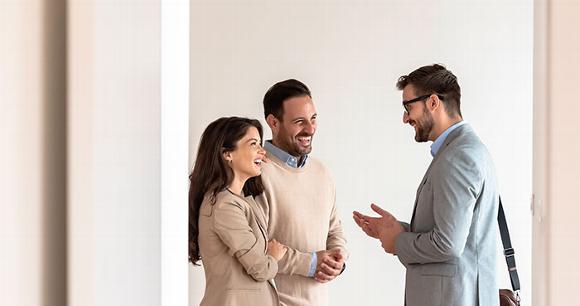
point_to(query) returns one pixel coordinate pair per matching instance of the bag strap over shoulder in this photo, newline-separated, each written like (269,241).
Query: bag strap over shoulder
(508,251)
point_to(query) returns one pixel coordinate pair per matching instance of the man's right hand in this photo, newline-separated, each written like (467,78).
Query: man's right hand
(328,265)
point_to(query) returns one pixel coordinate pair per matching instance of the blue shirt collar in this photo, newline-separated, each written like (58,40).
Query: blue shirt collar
(282,155)
(441,139)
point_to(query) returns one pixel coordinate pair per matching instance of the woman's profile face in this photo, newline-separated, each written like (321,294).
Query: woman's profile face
(248,154)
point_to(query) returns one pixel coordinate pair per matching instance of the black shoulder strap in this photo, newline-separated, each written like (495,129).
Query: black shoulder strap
(508,251)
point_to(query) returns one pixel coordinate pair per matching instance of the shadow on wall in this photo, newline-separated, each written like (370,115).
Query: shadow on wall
(54,193)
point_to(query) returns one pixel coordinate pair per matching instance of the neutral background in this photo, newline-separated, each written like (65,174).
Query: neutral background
(350,55)
(94,130)
(94,115)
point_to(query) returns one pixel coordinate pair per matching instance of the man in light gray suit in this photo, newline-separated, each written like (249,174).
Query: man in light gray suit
(449,249)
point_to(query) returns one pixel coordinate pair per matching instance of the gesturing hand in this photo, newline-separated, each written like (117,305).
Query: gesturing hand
(386,228)
(364,221)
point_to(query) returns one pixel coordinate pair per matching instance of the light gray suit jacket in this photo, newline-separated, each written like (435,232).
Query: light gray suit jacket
(450,250)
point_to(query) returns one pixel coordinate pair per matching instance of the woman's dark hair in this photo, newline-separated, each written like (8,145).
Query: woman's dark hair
(435,79)
(211,173)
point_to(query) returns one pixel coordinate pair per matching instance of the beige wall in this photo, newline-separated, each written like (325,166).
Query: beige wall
(33,153)
(556,152)
(113,125)
(91,209)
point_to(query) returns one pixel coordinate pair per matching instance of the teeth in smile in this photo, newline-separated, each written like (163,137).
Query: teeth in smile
(258,162)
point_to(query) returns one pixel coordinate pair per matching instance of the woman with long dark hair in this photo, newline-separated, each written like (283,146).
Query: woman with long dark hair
(227,230)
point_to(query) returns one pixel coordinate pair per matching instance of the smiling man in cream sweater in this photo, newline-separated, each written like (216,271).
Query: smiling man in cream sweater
(299,199)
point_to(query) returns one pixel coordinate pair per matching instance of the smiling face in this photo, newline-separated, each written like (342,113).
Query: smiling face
(246,158)
(294,132)
(418,116)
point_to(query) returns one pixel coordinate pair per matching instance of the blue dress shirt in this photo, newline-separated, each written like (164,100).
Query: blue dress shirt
(441,139)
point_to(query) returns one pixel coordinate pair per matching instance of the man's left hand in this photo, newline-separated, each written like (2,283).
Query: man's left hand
(386,228)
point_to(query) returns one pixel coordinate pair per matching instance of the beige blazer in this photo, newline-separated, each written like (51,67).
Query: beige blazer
(232,241)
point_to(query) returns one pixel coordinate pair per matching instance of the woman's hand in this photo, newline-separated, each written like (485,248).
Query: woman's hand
(276,249)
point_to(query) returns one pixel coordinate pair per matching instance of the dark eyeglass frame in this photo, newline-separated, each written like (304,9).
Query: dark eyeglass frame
(420,98)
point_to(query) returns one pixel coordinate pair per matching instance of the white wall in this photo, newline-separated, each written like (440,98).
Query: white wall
(350,55)
(556,151)
(174,151)
(114,148)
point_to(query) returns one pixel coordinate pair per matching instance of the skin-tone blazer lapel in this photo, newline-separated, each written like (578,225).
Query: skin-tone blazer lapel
(259,216)
(260,220)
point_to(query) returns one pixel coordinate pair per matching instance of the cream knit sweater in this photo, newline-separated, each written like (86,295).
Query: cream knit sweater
(300,210)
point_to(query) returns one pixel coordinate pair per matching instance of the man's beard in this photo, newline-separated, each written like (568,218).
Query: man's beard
(300,150)
(424,127)
(293,147)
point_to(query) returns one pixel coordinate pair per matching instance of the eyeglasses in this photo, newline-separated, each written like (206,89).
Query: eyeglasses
(420,98)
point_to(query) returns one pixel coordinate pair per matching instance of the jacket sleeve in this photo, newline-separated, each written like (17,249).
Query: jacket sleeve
(456,184)
(294,262)
(405,225)
(231,225)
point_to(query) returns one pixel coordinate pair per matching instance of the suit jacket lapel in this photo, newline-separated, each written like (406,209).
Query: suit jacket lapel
(452,136)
